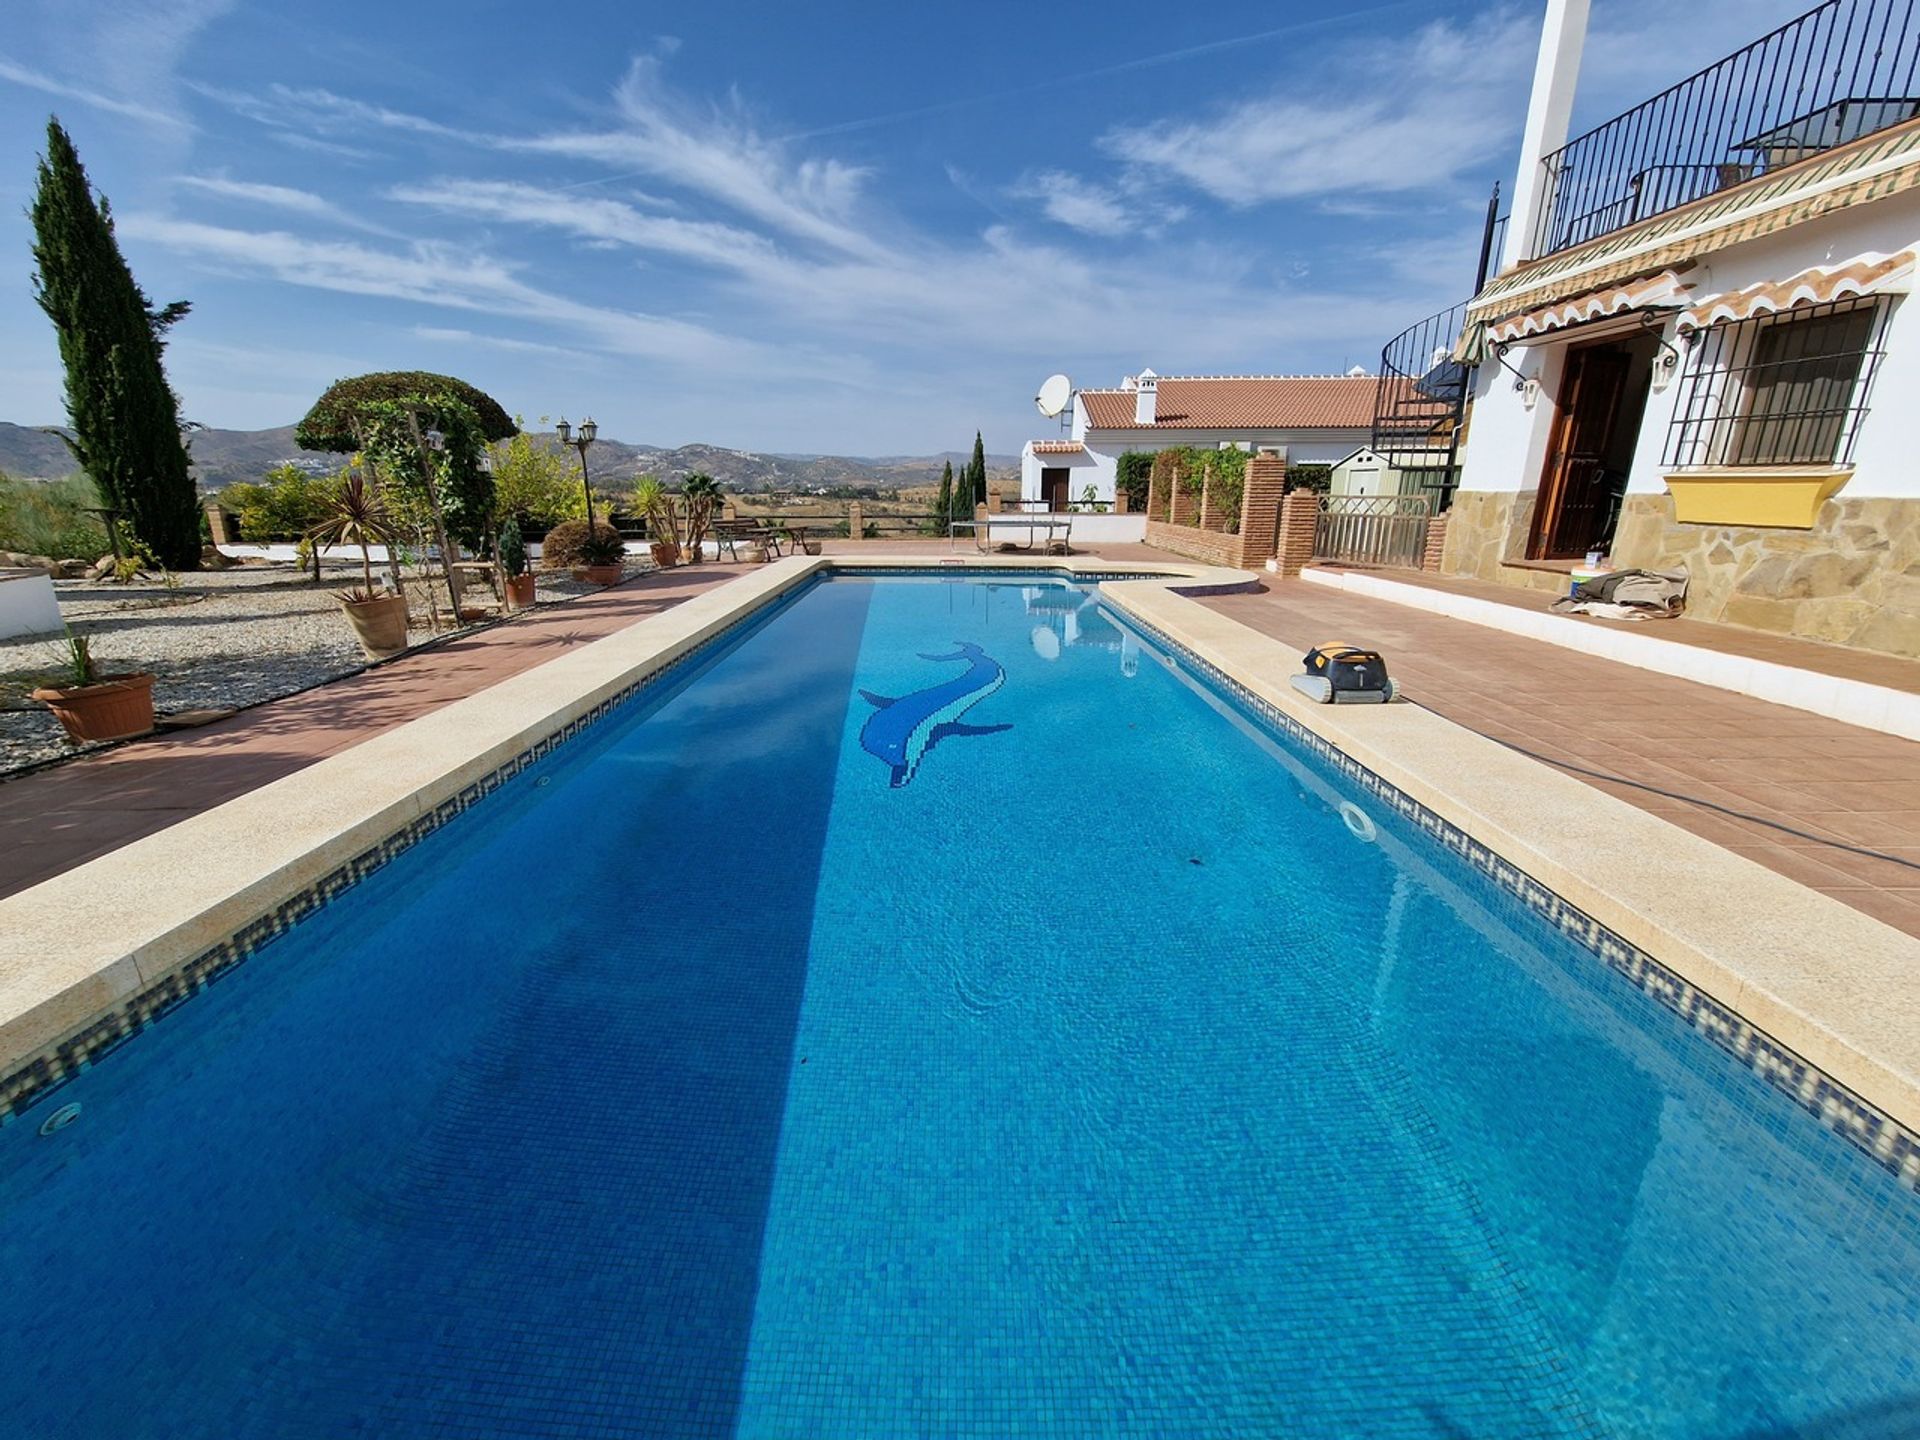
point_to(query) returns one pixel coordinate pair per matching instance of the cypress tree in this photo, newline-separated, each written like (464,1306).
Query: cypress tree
(977,473)
(126,422)
(943,502)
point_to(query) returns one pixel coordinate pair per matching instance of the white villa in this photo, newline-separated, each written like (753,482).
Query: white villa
(1313,419)
(1697,350)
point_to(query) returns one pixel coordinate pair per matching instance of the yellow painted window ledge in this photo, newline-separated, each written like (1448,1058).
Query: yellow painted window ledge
(1784,497)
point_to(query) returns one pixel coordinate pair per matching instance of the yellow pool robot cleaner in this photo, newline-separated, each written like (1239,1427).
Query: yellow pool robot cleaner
(1340,674)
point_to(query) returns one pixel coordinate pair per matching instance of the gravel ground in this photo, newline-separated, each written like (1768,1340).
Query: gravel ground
(220,640)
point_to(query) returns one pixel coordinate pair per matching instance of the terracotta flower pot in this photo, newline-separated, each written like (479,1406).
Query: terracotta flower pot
(600,574)
(520,590)
(380,624)
(665,553)
(111,709)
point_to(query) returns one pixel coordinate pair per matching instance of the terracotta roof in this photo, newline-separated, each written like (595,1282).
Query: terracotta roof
(1057,447)
(1243,402)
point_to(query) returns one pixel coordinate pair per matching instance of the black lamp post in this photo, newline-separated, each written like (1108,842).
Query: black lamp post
(589,432)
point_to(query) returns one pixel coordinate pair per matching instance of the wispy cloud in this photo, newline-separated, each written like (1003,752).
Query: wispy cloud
(47,85)
(1395,116)
(278,197)
(119,58)
(446,277)
(718,152)
(1124,208)
(1076,203)
(594,218)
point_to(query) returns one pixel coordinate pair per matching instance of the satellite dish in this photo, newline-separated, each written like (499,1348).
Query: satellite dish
(1054,395)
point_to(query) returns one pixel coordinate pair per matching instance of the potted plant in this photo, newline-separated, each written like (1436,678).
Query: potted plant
(653,502)
(92,706)
(602,556)
(519,570)
(356,515)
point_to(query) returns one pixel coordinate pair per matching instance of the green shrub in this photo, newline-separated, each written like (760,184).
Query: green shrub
(48,517)
(284,504)
(536,481)
(566,544)
(1310,477)
(513,549)
(1134,472)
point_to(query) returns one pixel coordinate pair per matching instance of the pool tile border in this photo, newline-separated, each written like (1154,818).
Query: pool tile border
(1891,1146)
(1884,1140)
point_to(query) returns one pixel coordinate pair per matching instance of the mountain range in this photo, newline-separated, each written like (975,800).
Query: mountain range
(223,456)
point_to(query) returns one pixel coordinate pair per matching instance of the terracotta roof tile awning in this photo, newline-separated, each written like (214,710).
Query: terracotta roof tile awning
(1663,290)
(1869,274)
(1057,447)
(1243,402)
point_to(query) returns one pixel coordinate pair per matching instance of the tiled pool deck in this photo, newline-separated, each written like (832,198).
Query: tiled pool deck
(1654,733)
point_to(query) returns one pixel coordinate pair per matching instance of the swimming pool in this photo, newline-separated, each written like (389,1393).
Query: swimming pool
(1032,1044)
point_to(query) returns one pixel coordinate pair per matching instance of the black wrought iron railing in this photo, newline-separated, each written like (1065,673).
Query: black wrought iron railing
(1842,71)
(1421,401)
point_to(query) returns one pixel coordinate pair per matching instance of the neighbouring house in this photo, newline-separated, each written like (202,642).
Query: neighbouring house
(1698,351)
(1312,419)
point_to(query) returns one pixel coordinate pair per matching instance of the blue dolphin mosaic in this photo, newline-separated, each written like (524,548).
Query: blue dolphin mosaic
(903,729)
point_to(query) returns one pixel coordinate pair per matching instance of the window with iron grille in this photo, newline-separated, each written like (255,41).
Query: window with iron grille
(1782,389)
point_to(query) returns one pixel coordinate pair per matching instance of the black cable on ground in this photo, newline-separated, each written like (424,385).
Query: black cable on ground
(1684,799)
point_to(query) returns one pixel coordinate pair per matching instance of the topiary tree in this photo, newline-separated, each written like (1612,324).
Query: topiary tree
(334,422)
(126,421)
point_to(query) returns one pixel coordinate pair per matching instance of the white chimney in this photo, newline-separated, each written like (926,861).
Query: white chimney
(1146,397)
(1556,71)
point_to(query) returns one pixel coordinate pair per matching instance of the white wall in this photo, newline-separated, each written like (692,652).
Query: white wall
(28,605)
(1100,461)
(1506,443)
(1087,469)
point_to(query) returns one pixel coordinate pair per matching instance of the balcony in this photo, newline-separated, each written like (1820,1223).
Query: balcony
(1842,71)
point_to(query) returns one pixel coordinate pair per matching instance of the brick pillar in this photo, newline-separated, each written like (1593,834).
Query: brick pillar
(1206,519)
(217,526)
(1260,508)
(856,521)
(1119,501)
(994,503)
(1294,546)
(1436,543)
(1179,502)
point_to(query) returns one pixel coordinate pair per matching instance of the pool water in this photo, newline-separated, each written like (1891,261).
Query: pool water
(1041,1053)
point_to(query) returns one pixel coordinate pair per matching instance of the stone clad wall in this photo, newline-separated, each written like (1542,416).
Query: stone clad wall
(1854,579)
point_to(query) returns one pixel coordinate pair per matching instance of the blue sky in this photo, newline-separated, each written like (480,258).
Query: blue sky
(858,228)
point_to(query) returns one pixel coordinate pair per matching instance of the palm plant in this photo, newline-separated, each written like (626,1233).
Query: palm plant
(655,505)
(702,495)
(357,515)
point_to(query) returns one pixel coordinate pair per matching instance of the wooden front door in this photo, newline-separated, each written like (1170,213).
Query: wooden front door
(1575,508)
(1053,486)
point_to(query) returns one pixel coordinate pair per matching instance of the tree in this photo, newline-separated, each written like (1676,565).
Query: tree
(334,421)
(943,502)
(126,421)
(286,503)
(977,476)
(536,481)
